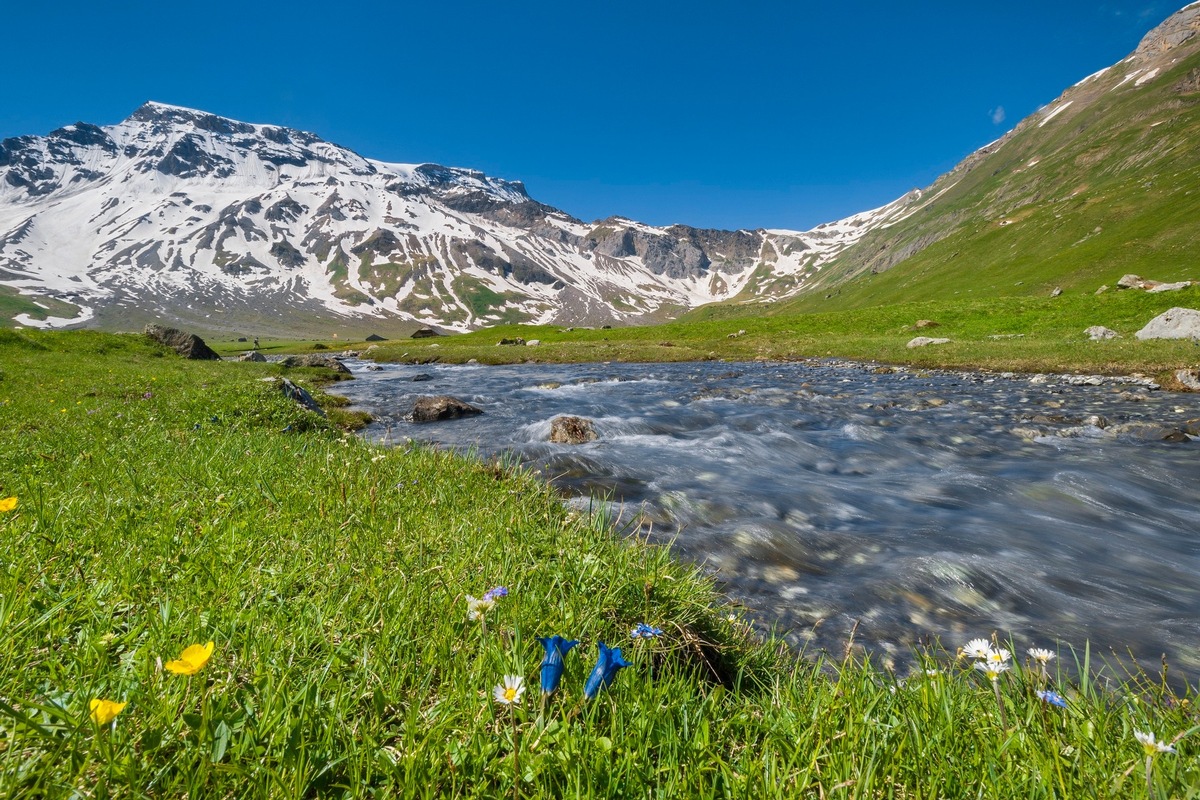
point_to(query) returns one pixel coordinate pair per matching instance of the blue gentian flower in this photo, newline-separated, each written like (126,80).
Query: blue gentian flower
(552,665)
(607,664)
(495,594)
(644,631)
(1052,697)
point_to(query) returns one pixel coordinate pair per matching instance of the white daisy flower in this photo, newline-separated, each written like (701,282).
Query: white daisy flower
(1041,655)
(509,693)
(478,606)
(993,669)
(1151,746)
(998,656)
(977,648)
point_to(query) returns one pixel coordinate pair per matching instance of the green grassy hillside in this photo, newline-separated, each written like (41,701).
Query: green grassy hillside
(1109,185)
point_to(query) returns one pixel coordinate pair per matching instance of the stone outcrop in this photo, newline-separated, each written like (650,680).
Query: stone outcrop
(925,341)
(188,345)
(1175,323)
(253,355)
(428,408)
(1098,333)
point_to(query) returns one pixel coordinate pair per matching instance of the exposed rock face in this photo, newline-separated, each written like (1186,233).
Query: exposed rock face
(188,345)
(253,355)
(571,430)
(1175,323)
(313,360)
(1176,30)
(440,407)
(1098,333)
(925,341)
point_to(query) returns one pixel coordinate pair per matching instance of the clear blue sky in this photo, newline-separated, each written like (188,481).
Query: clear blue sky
(716,114)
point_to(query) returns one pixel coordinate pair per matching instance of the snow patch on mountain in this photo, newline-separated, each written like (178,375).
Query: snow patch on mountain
(175,209)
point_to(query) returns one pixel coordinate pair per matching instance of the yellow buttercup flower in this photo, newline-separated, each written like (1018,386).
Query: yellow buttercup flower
(8,504)
(191,660)
(105,711)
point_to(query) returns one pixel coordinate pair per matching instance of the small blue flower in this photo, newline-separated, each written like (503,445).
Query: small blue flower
(1052,697)
(644,631)
(552,665)
(495,594)
(607,664)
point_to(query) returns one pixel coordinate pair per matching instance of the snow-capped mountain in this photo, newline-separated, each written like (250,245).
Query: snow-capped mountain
(180,214)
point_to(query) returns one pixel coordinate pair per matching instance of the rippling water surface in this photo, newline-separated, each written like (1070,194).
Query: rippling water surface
(823,495)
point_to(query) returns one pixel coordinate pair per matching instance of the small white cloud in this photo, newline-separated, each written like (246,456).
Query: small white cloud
(997,115)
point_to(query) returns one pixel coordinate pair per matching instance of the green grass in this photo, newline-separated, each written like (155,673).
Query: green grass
(163,503)
(1036,334)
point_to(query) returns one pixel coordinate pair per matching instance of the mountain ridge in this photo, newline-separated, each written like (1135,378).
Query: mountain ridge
(183,214)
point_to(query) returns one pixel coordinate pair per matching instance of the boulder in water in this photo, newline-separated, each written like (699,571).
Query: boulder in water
(572,430)
(429,408)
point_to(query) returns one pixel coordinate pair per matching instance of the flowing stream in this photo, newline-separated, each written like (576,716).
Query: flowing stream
(909,506)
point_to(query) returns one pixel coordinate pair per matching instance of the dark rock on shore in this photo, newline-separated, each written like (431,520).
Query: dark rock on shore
(300,395)
(312,360)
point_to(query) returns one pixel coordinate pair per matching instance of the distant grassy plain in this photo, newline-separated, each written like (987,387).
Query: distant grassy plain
(149,503)
(1020,334)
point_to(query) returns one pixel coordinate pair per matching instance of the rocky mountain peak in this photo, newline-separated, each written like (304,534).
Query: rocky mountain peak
(184,212)
(1180,27)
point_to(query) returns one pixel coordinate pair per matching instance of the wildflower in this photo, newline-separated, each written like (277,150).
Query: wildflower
(998,656)
(105,711)
(509,692)
(644,631)
(1152,747)
(495,594)
(191,660)
(993,669)
(607,664)
(977,648)
(478,606)
(1041,655)
(8,504)
(1052,697)
(552,665)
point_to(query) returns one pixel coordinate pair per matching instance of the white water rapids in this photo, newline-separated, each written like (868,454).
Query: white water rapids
(919,506)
